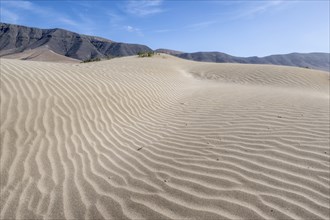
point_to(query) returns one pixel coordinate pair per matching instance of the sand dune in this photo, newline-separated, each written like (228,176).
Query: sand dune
(163,138)
(41,54)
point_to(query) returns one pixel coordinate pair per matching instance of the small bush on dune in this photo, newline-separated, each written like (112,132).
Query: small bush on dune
(146,54)
(108,57)
(91,60)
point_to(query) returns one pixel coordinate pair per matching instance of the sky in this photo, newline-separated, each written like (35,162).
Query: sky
(239,28)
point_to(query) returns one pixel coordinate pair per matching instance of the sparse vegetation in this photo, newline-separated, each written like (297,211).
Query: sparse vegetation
(108,57)
(146,53)
(91,60)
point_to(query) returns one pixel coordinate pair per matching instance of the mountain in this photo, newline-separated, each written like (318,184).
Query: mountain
(29,43)
(167,51)
(320,61)
(16,39)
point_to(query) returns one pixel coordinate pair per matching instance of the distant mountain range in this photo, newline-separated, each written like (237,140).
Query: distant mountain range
(23,42)
(308,60)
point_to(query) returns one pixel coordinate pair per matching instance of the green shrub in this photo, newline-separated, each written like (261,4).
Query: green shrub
(91,60)
(146,53)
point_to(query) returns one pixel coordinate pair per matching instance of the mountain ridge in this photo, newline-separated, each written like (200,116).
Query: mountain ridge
(16,39)
(314,60)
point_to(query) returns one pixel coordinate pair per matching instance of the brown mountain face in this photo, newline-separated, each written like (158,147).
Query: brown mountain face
(16,39)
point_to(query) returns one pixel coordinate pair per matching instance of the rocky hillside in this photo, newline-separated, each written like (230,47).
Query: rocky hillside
(16,39)
(318,61)
(23,42)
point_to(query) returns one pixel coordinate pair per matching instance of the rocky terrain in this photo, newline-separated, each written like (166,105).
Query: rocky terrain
(15,39)
(20,42)
(318,61)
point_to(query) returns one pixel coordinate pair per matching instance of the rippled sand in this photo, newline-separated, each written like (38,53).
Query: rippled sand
(163,138)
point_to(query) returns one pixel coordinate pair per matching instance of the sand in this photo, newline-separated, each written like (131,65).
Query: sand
(41,54)
(163,138)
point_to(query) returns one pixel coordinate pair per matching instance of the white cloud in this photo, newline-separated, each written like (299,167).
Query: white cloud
(144,7)
(129,28)
(134,30)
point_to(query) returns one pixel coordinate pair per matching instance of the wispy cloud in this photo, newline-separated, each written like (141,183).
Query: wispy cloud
(114,19)
(248,10)
(8,16)
(89,25)
(129,28)
(134,30)
(68,21)
(144,7)
(17,11)
(258,8)
(200,25)
(26,5)
(11,10)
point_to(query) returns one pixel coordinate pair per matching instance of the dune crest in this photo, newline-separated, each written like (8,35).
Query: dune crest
(163,138)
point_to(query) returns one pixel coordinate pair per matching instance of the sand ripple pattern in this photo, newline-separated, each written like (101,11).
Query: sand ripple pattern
(163,138)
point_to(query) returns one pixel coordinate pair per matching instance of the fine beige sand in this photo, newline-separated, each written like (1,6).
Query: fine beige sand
(163,138)
(41,54)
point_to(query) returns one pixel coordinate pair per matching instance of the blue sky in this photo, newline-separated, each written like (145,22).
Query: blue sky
(240,28)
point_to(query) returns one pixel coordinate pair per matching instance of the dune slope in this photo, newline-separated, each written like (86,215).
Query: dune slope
(163,138)
(41,54)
